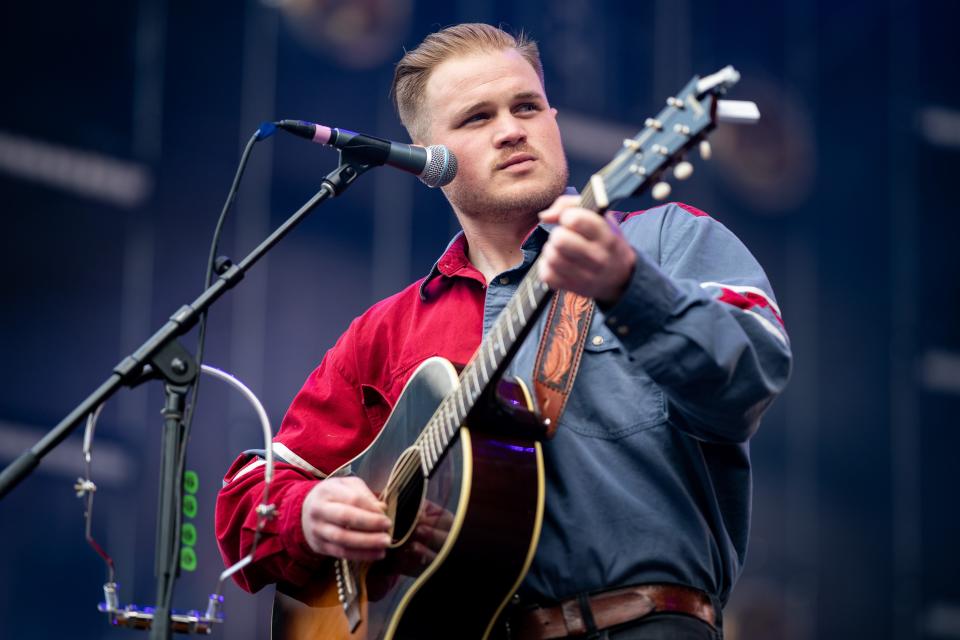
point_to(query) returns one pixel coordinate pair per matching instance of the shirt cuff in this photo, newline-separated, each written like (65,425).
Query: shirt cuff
(291,529)
(649,300)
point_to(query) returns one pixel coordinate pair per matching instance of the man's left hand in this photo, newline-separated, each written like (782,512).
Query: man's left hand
(586,253)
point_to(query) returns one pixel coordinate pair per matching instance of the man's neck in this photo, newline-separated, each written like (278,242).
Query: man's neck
(494,247)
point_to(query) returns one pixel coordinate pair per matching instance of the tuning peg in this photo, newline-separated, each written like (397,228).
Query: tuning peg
(683,170)
(661,190)
(705,150)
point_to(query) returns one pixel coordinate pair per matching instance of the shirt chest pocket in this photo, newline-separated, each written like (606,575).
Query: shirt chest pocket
(612,397)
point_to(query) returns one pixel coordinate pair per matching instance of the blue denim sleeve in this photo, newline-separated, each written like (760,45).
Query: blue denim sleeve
(699,316)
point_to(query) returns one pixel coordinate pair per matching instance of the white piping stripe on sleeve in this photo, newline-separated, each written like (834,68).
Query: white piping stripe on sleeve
(259,462)
(766,324)
(281,450)
(745,289)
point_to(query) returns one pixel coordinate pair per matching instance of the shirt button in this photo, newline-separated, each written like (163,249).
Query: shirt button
(623,329)
(597,341)
(504,280)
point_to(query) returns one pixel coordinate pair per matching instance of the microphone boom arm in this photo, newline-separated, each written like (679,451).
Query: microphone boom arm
(164,353)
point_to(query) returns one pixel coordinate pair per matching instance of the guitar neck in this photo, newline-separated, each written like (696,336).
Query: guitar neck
(489,362)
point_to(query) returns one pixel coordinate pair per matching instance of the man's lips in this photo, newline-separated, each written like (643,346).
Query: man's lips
(517,158)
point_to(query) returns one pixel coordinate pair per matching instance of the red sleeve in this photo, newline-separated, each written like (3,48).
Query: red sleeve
(326,425)
(282,554)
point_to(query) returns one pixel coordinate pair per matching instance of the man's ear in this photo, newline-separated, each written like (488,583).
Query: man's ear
(554,111)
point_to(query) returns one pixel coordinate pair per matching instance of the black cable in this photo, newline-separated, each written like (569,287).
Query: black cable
(264,131)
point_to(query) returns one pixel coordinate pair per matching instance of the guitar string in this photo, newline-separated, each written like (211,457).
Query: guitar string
(530,284)
(528,287)
(434,427)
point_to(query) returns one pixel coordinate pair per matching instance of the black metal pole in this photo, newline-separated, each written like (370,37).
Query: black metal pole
(166,560)
(129,369)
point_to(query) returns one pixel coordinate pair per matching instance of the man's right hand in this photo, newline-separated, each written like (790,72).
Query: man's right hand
(341,517)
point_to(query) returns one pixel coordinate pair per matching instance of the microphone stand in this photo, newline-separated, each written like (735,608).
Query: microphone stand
(179,370)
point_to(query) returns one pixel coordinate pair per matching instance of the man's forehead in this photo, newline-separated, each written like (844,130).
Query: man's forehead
(480,76)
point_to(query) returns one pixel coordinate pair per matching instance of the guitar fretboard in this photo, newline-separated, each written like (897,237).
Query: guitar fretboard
(498,346)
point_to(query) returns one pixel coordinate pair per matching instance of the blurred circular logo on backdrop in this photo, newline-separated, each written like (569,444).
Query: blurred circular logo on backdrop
(357,34)
(772,164)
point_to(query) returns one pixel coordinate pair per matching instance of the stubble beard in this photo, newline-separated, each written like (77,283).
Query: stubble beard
(478,204)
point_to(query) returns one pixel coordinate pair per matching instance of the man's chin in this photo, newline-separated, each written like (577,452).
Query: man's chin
(534,195)
(514,198)
(516,205)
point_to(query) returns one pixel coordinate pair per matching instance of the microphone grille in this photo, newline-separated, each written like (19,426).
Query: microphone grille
(441,166)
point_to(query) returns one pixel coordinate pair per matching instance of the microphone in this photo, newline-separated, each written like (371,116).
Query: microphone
(434,165)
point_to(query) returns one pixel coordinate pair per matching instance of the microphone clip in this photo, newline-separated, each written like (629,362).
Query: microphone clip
(352,165)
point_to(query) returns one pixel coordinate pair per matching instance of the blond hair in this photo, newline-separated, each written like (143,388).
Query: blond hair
(413,71)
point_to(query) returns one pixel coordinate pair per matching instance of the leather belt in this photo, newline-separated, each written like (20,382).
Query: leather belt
(609,609)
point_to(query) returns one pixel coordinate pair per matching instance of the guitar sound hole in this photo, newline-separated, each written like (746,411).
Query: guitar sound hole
(408,506)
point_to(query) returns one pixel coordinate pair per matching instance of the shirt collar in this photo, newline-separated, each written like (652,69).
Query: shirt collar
(454,259)
(454,262)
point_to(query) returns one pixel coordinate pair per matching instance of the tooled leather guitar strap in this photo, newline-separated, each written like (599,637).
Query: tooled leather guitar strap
(558,356)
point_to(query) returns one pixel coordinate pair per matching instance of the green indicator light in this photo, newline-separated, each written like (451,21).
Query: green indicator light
(190,506)
(188,559)
(191,482)
(188,534)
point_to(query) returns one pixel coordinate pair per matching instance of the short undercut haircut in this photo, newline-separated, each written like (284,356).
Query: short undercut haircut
(413,71)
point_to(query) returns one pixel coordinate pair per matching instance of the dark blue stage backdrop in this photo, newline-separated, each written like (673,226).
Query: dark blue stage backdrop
(121,124)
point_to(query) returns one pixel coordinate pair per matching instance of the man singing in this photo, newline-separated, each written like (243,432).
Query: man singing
(648,480)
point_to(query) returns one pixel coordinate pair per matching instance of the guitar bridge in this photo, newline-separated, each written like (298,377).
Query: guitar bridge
(348,593)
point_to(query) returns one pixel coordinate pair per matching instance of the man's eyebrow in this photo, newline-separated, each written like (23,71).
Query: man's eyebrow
(523,95)
(476,106)
(528,95)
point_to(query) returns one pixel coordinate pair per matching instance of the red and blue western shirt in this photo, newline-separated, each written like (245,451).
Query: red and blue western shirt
(648,476)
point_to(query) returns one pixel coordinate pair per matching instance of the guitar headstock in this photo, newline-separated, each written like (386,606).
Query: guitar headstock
(684,123)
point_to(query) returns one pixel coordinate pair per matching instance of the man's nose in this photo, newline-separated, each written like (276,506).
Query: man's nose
(510,132)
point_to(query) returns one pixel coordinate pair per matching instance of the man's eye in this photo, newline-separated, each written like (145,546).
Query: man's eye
(474,118)
(528,106)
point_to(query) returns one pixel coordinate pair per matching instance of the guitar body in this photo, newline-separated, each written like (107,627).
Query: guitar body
(482,508)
